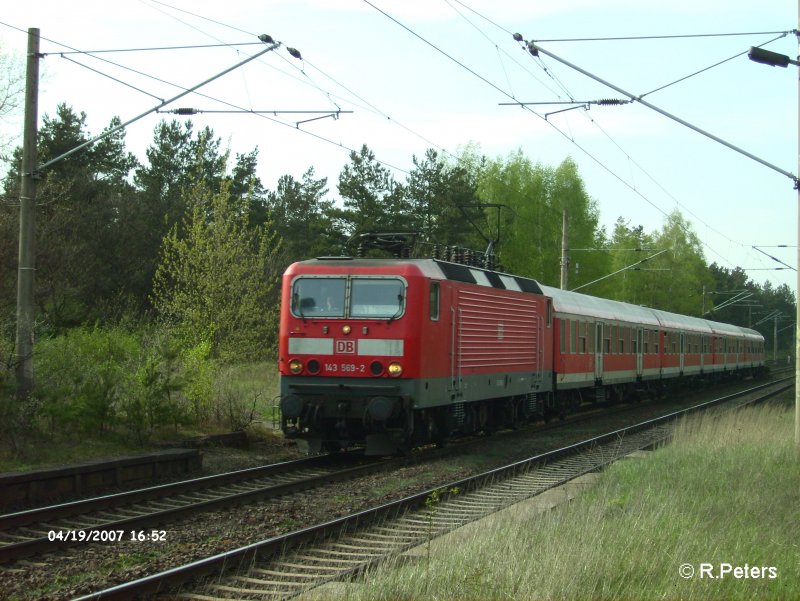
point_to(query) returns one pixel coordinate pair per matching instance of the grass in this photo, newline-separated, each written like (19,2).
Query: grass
(246,385)
(726,493)
(40,452)
(259,377)
(60,582)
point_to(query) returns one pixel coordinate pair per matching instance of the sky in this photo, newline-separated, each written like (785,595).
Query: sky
(422,74)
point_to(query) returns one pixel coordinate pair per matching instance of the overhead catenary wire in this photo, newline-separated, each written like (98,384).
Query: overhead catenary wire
(367,105)
(160,48)
(112,78)
(173,84)
(777,260)
(549,122)
(703,70)
(555,79)
(638,38)
(627,38)
(216,22)
(619,178)
(570,138)
(271,46)
(534,48)
(550,73)
(186,11)
(641,168)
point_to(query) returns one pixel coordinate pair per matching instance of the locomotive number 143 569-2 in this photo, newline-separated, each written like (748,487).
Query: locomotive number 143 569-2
(345,368)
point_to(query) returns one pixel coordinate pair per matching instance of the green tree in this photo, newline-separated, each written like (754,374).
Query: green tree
(304,218)
(373,200)
(628,245)
(77,225)
(532,229)
(729,283)
(680,287)
(584,232)
(777,303)
(216,276)
(522,186)
(176,158)
(759,305)
(245,184)
(441,197)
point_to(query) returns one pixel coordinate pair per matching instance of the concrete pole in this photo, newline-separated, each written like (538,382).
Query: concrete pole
(775,340)
(797,292)
(703,314)
(565,251)
(27,230)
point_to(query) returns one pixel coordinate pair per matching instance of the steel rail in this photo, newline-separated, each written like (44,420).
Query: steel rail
(32,546)
(71,508)
(272,547)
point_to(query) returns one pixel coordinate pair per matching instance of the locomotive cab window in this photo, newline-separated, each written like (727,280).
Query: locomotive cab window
(356,297)
(377,298)
(319,297)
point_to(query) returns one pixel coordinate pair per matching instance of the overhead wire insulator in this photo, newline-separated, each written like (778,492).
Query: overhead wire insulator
(295,53)
(185,111)
(610,101)
(518,37)
(267,39)
(533,49)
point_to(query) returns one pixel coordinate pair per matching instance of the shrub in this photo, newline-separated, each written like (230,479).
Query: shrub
(152,392)
(216,277)
(198,376)
(236,408)
(80,375)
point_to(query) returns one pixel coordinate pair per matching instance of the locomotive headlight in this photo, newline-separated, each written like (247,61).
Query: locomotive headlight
(295,366)
(394,369)
(346,330)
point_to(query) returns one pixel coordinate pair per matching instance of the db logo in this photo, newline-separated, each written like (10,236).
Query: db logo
(345,347)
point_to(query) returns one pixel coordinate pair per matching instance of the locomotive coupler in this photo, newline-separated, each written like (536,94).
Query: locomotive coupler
(342,409)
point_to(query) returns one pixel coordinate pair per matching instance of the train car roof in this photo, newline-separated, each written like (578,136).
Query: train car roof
(575,303)
(682,322)
(329,265)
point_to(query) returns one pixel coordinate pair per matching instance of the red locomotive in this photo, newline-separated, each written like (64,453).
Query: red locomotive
(391,353)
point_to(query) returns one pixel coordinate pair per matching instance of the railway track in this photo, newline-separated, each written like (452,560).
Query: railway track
(284,566)
(114,517)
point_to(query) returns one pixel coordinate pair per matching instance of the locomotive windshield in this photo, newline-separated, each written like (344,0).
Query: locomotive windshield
(356,297)
(376,298)
(319,297)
